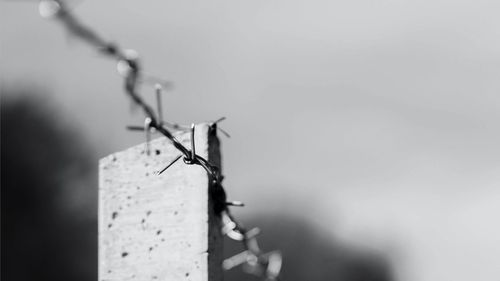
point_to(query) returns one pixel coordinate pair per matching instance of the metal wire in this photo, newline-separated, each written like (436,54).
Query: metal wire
(266,265)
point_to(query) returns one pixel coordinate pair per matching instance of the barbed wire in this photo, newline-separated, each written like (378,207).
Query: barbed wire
(253,259)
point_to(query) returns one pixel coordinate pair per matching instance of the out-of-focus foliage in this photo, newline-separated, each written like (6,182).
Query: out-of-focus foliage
(48,233)
(49,220)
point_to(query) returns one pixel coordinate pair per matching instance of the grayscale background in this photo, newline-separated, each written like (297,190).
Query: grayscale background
(365,134)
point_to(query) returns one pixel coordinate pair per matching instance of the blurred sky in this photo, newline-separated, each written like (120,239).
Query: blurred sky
(375,120)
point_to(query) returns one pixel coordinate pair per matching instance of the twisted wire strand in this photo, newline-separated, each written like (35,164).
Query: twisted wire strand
(267,265)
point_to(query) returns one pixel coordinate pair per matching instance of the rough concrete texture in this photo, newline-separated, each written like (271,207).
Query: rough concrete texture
(159,227)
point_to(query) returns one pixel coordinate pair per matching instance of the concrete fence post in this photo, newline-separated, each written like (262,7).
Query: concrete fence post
(159,227)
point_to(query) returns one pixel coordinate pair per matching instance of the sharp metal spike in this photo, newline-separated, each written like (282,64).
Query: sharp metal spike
(252,244)
(219,120)
(147,130)
(171,163)
(235,260)
(252,232)
(235,203)
(135,128)
(274,263)
(193,152)
(224,132)
(158,89)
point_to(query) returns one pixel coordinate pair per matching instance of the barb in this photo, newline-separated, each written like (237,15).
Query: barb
(158,103)
(193,152)
(267,265)
(171,163)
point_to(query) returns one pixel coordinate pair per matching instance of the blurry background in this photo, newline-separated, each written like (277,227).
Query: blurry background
(364,134)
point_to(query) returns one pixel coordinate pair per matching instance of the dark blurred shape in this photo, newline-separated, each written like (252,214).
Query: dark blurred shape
(49,220)
(309,255)
(48,194)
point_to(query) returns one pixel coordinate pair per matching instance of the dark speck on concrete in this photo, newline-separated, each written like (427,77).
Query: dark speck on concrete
(124,254)
(158,232)
(157,152)
(114,215)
